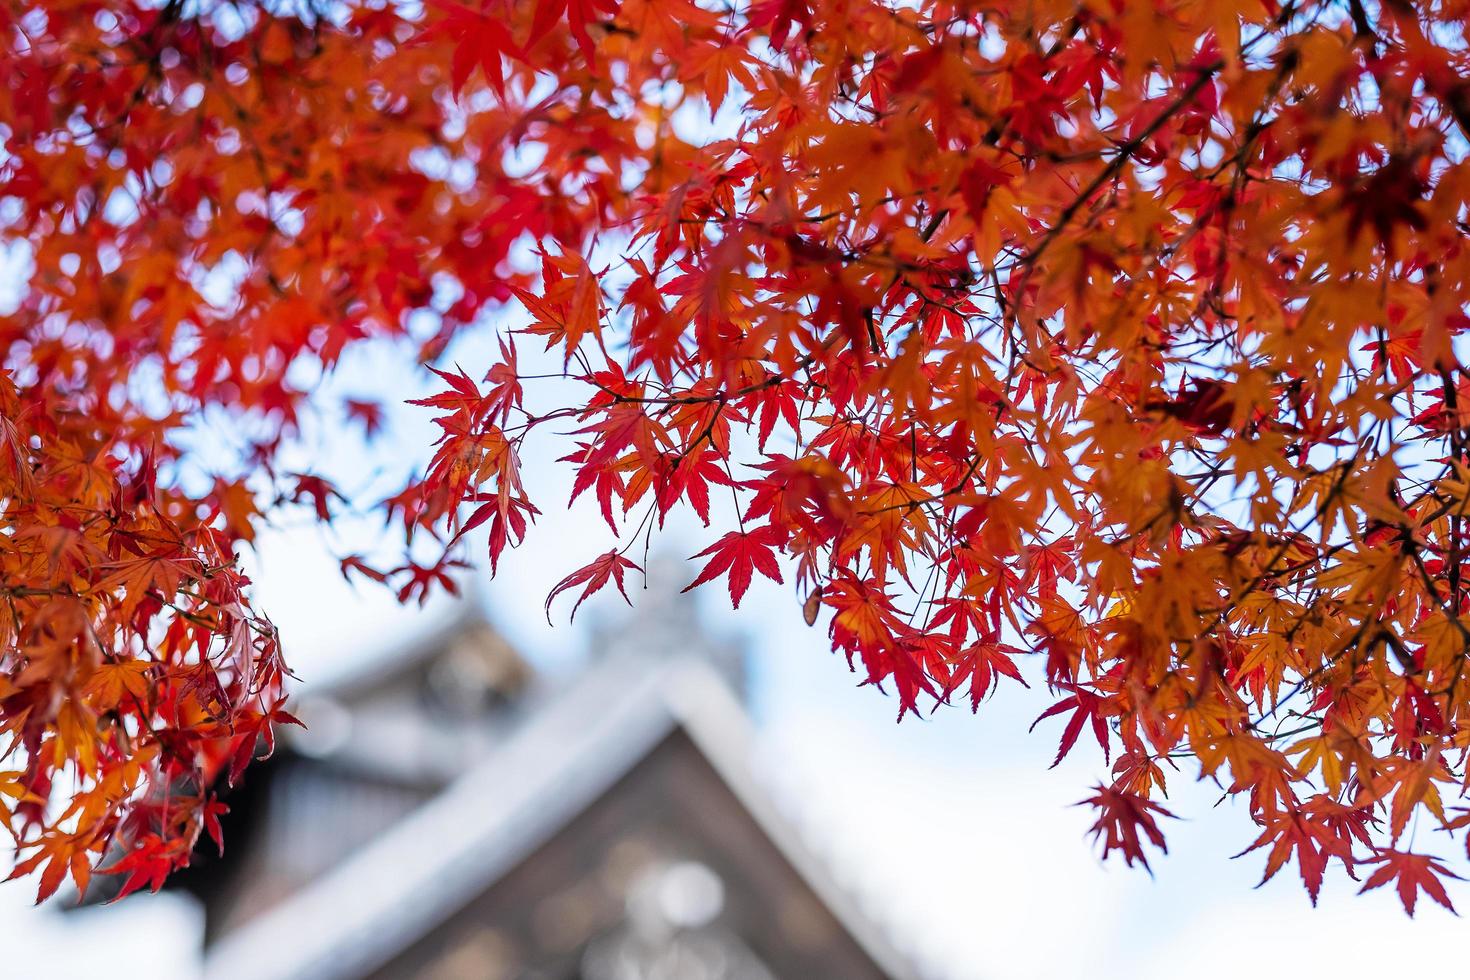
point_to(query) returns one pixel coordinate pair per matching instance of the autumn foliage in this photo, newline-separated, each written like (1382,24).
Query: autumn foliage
(1117,346)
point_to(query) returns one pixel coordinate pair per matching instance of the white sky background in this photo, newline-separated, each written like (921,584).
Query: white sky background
(949,829)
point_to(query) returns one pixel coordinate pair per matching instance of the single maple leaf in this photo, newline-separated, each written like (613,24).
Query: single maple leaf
(740,554)
(1085,706)
(480,39)
(148,862)
(608,567)
(983,663)
(580,13)
(505,393)
(369,414)
(1313,841)
(1122,816)
(1415,873)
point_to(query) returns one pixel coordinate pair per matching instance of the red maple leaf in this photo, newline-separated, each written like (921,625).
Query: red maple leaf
(1122,816)
(1084,705)
(1317,831)
(1415,873)
(479,39)
(740,554)
(579,13)
(983,663)
(608,567)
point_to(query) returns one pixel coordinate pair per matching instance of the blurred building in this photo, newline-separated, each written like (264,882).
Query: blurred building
(450,813)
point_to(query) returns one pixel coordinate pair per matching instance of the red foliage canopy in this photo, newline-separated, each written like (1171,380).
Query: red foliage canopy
(1115,344)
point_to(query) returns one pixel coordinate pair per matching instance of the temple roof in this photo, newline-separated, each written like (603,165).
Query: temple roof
(556,765)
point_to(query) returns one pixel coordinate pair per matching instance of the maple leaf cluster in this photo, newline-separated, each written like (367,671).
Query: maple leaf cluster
(152,151)
(1120,346)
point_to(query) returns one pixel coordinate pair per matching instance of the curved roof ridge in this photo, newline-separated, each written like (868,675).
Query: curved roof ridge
(561,761)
